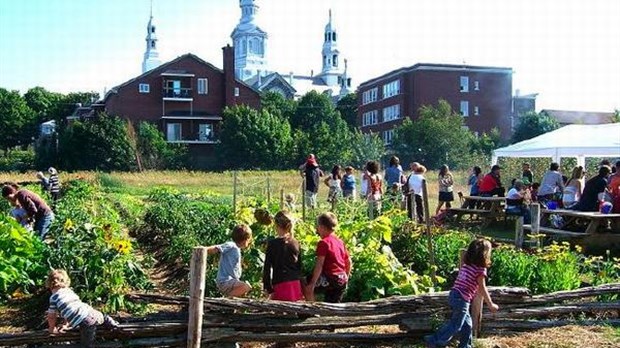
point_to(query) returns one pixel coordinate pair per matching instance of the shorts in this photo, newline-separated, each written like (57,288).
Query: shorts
(333,286)
(226,287)
(446,196)
(287,291)
(311,199)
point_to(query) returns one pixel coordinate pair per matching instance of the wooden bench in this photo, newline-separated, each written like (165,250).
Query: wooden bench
(555,231)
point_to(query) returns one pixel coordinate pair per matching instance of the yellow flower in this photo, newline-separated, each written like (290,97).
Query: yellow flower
(123,246)
(69,226)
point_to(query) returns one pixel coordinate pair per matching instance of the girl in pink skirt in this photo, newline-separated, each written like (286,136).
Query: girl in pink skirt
(282,270)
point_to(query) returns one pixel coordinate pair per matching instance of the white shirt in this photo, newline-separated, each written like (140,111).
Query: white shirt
(415,184)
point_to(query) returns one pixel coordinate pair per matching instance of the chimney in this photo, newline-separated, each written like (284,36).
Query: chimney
(229,76)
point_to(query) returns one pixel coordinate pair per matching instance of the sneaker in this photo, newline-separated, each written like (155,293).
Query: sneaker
(110,323)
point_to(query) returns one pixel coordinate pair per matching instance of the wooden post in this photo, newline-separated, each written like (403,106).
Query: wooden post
(303,199)
(196,296)
(282,198)
(519,233)
(535,210)
(235,192)
(429,236)
(268,190)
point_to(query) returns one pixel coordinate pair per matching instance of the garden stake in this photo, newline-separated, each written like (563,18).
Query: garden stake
(429,236)
(235,192)
(197,275)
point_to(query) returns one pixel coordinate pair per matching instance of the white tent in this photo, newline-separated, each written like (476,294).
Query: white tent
(580,141)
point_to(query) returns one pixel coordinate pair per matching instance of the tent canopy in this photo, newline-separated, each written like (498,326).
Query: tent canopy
(575,140)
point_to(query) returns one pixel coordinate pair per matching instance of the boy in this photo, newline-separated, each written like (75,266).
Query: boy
(229,271)
(66,304)
(333,263)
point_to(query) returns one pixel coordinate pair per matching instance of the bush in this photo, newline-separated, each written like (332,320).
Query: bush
(17,161)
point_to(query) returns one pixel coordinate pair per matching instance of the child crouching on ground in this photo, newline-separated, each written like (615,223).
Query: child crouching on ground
(229,271)
(333,264)
(471,279)
(66,304)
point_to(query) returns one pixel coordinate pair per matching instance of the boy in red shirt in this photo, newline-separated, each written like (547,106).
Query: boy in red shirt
(333,263)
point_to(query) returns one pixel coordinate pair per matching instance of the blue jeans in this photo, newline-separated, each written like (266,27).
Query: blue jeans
(520,211)
(459,322)
(42,225)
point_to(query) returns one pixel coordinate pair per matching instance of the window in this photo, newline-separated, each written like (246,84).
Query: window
(205,132)
(391,113)
(391,89)
(464,84)
(335,60)
(203,86)
(476,111)
(153,44)
(236,91)
(369,96)
(333,36)
(369,118)
(476,85)
(153,29)
(387,136)
(173,132)
(464,108)
(144,88)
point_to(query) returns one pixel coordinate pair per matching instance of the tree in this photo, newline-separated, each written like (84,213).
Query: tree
(486,143)
(155,152)
(533,124)
(15,118)
(437,137)
(277,105)
(252,139)
(312,109)
(43,102)
(365,147)
(347,106)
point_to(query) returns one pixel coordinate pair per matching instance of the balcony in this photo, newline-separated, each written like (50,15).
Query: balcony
(177,94)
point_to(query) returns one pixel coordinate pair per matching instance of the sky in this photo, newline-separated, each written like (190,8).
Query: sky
(567,51)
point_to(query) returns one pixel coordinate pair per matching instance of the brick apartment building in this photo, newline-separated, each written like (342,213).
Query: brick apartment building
(184,98)
(483,95)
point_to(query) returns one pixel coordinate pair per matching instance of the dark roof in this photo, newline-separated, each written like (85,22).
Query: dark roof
(579,117)
(437,67)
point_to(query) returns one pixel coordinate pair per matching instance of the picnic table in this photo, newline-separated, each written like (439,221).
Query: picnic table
(592,221)
(487,209)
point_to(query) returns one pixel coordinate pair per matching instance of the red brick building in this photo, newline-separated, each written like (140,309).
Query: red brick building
(483,95)
(184,97)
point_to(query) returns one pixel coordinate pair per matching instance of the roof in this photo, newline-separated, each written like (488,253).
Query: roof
(580,117)
(568,141)
(439,67)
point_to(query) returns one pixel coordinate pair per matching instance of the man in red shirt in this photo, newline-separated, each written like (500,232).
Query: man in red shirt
(491,184)
(333,263)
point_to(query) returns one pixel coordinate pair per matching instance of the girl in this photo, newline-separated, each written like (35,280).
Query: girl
(574,187)
(445,188)
(334,182)
(470,280)
(66,304)
(473,180)
(375,189)
(348,183)
(282,267)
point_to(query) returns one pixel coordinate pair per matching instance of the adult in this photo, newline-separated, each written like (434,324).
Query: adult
(574,187)
(312,173)
(527,173)
(551,185)
(394,173)
(473,182)
(491,184)
(414,186)
(515,202)
(614,188)
(596,186)
(35,207)
(446,184)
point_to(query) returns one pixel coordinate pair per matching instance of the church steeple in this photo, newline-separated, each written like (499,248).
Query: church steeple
(345,81)
(151,55)
(249,41)
(331,66)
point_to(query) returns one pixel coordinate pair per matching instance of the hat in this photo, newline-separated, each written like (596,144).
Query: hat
(495,167)
(312,161)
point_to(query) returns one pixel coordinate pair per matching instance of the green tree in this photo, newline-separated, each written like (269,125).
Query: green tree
(43,102)
(16,119)
(533,124)
(101,143)
(252,139)
(312,109)
(365,147)
(347,106)
(437,137)
(277,105)
(615,118)
(155,152)
(486,143)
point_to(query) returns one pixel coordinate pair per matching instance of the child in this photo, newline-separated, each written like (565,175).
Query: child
(446,183)
(20,215)
(516,202)
(348,183)
(282,268)
(229,271)
(396,195)
(375,189)
(334,182)
(333,263)
(534,191)
(290,202)
(66,304)
(54,184)
(471,279)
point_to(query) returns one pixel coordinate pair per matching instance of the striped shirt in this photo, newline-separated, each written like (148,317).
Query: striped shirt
(54,184)
(467,281)
(65,302)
